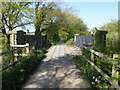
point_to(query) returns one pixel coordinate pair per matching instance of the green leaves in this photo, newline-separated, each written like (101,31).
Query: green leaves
(90,74)
(15,77)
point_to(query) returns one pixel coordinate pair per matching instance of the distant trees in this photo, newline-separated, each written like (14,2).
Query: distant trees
(71,25)
(112,36)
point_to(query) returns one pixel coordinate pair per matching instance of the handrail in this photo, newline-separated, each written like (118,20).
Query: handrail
(14,55)
(104,75)
(10,51)
(99,54)
(20,47)
(112,82)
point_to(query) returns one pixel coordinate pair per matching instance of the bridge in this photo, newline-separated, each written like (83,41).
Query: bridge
(59,70)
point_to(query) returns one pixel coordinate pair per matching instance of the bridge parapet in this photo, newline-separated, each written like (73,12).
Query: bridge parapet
(84,39)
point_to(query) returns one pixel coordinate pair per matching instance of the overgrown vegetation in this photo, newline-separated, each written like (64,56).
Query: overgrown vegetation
(112,38)
(14,78)
(69,42)
(107,48)
(89,73)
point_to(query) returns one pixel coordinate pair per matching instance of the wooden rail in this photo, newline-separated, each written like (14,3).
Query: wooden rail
(10,51)
(99,54)
(14,55)
(114,83)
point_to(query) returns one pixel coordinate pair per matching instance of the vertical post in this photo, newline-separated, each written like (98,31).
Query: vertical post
(12,57)
(75,37)
(15,54)
(115,72)
(92,55)
(27,48)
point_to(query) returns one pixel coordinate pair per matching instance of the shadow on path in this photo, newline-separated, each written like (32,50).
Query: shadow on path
(57,72)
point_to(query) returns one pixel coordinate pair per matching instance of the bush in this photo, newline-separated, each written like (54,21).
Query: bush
(15,77)
(70,42)
(91,74)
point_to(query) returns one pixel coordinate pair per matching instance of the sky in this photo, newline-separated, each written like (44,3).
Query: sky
(95,14)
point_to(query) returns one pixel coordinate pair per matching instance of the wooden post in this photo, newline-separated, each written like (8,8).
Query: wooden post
(75,37)
(15,57)
(27,48)
(92,55)
(12,57)
(115,72)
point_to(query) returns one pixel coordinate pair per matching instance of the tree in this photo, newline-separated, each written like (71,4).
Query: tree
(45,13)
(13,14)
(71,25)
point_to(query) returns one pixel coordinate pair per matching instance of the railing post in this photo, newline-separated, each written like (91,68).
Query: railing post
(75,37)
(12,57)
(92,55)
(115,72)
(27,48)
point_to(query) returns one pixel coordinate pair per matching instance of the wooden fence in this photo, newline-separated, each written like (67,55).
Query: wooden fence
(115,72)
(14,54)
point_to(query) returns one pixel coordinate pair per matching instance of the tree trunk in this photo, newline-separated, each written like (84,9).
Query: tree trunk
(7,38)
(7,42)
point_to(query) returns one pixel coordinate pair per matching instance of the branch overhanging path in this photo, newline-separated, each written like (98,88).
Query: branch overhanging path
(57,70)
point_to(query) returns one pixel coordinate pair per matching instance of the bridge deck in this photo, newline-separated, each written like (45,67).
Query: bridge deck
(57,70)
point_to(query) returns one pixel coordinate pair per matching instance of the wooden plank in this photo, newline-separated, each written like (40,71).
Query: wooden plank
(104,75)
(13,50)
(20,55)
(20,45)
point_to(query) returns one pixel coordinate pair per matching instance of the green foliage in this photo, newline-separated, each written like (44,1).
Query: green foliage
(90,74)
(112,39)
(104,65)
(4,47)
(13,15)
(100,41)
(86,53)
(15,77)
(71,25)
(70,42)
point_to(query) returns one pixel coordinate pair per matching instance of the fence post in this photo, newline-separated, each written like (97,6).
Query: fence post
(92,55)
(75,37)
(115,72)
(12,57)
(27,48)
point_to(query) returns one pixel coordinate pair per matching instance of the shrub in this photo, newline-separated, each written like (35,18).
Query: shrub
(16,76)
(70,42)
(90,74)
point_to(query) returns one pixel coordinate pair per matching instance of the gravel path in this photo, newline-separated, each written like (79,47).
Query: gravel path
(57,70)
